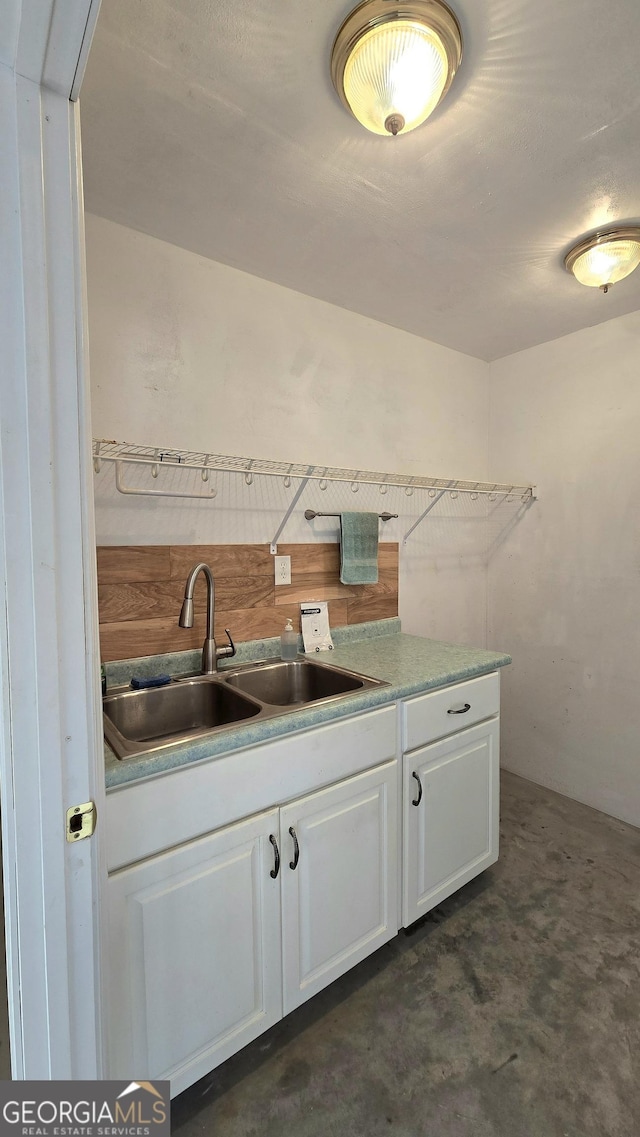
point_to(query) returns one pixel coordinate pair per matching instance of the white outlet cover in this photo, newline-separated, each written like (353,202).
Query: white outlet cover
(282,569)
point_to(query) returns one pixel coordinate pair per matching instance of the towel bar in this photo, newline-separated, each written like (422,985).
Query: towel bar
(311,513)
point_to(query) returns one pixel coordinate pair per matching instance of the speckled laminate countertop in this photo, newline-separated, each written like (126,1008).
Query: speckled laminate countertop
(410,664)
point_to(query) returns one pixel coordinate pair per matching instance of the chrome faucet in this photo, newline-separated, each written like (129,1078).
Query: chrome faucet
(210,653)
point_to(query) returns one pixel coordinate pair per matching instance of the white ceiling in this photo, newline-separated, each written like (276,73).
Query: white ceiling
(213,124)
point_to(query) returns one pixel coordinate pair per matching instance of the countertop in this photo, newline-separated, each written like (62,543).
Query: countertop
(410,664)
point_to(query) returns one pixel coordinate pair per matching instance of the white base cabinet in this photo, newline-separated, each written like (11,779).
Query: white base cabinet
(212,942)
(451,816)
(194,954)
(340,902)
(214,939)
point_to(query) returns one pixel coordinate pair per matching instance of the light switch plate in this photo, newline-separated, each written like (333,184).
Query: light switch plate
(282,568)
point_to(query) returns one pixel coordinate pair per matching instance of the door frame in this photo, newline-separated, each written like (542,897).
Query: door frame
(50,721)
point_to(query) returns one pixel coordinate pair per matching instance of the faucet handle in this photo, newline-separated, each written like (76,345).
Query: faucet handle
(229,650)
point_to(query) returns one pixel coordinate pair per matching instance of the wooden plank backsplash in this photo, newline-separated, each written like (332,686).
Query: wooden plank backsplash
(140,590)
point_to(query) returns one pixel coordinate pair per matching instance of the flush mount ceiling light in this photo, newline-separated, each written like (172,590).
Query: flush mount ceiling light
(603,259)
(394,60)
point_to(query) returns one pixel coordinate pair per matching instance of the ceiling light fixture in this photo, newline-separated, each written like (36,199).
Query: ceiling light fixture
(603,259)
(394,60)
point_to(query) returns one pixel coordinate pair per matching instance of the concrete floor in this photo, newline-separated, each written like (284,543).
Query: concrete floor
(513,1010)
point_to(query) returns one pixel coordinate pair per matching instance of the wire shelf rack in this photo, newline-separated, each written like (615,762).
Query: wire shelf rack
(105,450)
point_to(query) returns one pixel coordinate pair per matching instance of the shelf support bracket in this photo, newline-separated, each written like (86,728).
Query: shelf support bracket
(273,548)
(427,510)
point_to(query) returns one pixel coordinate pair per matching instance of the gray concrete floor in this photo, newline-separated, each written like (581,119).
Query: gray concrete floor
(513,1010)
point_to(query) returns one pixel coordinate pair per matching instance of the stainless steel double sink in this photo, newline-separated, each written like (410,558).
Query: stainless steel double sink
(141,722)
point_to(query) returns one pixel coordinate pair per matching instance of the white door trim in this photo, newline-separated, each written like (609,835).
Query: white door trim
(48,41)
(50,737)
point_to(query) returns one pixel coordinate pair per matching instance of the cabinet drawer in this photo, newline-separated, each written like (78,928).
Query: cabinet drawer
(443,711)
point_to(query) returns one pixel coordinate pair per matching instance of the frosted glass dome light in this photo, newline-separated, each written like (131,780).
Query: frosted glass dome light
(605,258)
(392,62)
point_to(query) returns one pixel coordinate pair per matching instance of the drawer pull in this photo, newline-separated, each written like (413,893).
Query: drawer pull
(276,868)
(460,710)
(296,849)
(418,799)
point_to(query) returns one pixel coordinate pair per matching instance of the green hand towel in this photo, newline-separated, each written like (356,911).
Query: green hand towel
(359,548)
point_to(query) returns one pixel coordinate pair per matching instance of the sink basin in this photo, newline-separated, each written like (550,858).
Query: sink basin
(140,722)
(136,721)
(293,683)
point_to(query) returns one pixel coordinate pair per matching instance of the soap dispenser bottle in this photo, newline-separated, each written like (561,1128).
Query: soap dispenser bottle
(288,642)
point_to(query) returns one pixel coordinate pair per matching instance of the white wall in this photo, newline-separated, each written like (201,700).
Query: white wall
(192,354)
(564,590)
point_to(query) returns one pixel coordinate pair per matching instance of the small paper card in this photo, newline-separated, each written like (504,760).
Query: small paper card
(314,618)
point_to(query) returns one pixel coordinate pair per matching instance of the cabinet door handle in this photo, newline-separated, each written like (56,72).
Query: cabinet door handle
(418,799)
(296,849)
(276,868)
(460,710)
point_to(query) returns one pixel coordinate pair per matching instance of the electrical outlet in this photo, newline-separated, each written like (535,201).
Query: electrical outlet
(282,570)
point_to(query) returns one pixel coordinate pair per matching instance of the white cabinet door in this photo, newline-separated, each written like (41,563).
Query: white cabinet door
(339,902)
(195,953)
(451,816)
